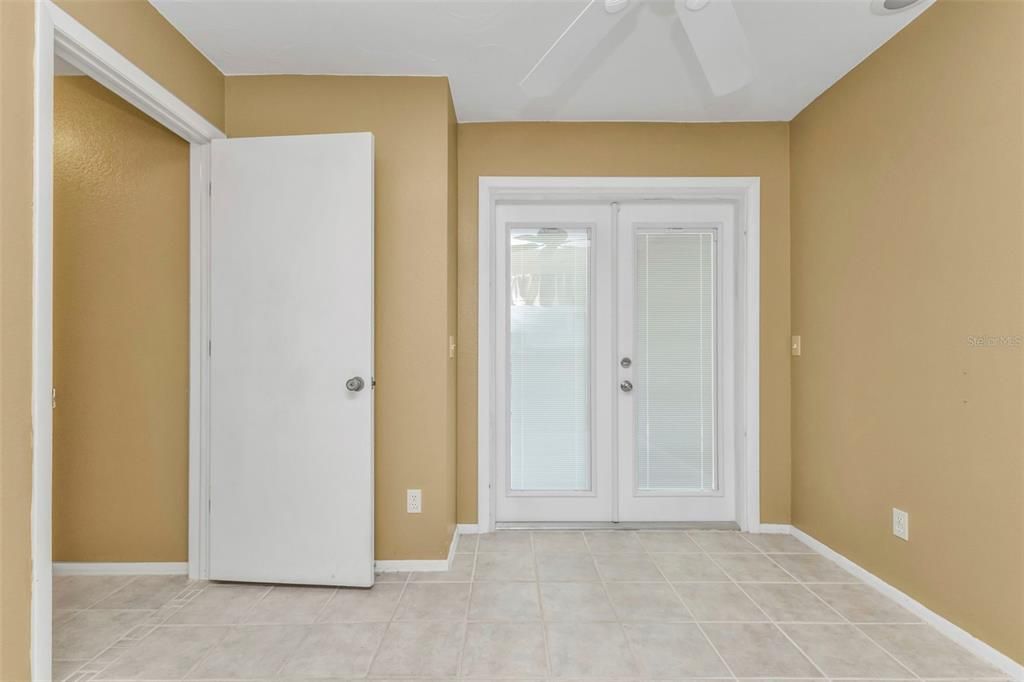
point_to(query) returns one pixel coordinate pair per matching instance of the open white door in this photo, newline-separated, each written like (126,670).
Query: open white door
(291,425)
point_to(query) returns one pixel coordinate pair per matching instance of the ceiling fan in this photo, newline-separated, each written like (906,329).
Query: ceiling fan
(712,27)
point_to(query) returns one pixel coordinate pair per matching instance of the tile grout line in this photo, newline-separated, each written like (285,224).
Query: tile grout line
(387,625)
(540,607)
(465,622)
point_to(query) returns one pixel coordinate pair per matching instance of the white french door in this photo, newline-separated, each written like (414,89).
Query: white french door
(614,339)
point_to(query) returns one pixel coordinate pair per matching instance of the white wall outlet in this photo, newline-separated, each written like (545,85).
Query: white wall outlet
(414,501)
(901,524)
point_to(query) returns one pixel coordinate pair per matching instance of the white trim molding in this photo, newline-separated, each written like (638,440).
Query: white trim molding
(744,192)
(57,34)
(120,568)
(954,632)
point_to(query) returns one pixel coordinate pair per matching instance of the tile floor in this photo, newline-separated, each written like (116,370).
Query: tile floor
(554,604)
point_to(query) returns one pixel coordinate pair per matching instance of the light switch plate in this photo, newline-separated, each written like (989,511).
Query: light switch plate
(795,345)
(901,524)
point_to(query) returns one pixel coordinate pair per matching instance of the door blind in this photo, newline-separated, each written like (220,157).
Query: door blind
(549,359)
(675,360)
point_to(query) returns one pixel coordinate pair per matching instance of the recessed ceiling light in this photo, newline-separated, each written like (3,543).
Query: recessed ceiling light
(615,6)
(891,6)
(695,5)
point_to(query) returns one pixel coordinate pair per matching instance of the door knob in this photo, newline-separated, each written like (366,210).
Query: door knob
(626,386)
(355,384)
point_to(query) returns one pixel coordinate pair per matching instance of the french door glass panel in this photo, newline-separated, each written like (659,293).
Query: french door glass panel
(549,358)
(675,359)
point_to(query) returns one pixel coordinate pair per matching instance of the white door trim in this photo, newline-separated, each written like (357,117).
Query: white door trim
(58,34)
(744,192)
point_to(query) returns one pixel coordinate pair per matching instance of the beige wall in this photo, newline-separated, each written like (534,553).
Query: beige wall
(409,118)
(120,358)
(16,44)
(907,239)
(616,149)
(135,29)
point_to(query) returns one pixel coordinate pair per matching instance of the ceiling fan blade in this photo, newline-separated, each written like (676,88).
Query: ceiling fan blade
(572,48)
(719,42)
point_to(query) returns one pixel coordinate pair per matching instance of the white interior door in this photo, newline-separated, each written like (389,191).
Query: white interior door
(675,325)
(616,354)
(291,437)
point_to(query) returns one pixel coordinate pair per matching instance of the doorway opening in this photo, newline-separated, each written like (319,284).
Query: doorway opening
(618,336)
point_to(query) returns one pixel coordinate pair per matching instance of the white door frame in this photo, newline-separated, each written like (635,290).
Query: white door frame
(744,192)
(58,34)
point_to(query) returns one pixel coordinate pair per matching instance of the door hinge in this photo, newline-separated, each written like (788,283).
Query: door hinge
(53,398)
(209,347)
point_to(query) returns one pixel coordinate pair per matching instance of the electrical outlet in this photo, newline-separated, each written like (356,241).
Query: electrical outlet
(414,501)
(901,524)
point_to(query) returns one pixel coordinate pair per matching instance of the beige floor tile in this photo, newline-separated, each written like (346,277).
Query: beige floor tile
(168,653)
(62,670)
(927,653)
(504,650)
(83,591)
(813,568)
(145,592)
(667,541)
(634,602)
(567,566)
(335,649)
(461,572)
(433,601)
(558,541)
(505,541)
(791,603)
(590,650)
(752,568)
(627,567)
(689,568)
(90,632)
(674,650)
(861,603)
(420,649)
(575,602)
(722,602)
(504,602)
(250,651)
(777,543)
(505,566)
(843,651)
(467,544)
(61,616)
(727,542)
(613,542)
(758,650)
(357,605)
(219,605)
(288,605)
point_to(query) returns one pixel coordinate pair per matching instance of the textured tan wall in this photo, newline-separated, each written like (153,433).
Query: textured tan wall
(120,359)
(16,127)
(907,239)
(616,149)
(409,118)
(135,29)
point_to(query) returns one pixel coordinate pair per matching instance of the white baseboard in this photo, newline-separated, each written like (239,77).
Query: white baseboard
(774,528)
(120,568)
(421,565)
(954,632)
(468,529)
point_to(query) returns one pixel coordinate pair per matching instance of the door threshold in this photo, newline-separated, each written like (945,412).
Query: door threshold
(617,525)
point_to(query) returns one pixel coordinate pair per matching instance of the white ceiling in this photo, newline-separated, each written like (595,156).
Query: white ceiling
(644,70)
